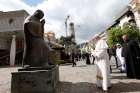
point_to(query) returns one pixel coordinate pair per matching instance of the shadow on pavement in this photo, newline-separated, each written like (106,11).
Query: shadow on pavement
(125,87)
(82,66)
(85,87)
(119,77)
(80,87)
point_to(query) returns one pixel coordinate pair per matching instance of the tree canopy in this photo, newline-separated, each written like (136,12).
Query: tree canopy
(115,34)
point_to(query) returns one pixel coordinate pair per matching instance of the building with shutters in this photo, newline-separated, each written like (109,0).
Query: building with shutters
(11,23)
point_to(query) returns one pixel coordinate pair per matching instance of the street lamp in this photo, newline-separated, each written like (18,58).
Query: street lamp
(66,45)
(66,20)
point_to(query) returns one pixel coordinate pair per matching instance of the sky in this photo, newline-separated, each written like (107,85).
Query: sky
(33,2)
(89,16)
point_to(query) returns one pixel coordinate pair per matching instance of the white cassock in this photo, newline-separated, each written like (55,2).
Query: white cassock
(102,64)
(120,59)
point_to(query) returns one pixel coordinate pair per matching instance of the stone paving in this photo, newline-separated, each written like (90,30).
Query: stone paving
(5,78)
(79,79)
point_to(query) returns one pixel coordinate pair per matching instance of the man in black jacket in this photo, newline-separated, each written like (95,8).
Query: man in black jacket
(131,53)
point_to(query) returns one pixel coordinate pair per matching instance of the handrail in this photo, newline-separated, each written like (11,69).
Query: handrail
(9,54)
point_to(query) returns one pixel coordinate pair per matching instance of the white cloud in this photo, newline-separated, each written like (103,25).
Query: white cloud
(13,5)
(93,16)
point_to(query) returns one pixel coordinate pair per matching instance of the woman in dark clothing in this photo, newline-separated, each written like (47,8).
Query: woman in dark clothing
(87,58)
(73,60)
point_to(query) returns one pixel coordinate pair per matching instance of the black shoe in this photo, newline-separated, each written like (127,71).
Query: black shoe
(110,87)
(105,91)
(99,87)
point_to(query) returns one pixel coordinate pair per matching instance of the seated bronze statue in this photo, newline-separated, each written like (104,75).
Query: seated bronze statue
(36,52)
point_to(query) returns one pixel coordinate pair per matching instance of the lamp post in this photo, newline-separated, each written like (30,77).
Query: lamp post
(66,20)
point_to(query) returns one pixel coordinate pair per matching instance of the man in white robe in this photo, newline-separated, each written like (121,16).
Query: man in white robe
(120,59)
(102,64)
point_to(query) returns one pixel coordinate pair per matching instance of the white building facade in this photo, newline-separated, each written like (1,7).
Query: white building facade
(135,5)
(11,36)
(11,23)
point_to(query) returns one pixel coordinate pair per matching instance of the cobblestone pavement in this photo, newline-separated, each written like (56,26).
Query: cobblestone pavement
(79,79)
(5,78)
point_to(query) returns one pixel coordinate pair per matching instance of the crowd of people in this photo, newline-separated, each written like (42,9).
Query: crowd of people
(80,57)
(126,55)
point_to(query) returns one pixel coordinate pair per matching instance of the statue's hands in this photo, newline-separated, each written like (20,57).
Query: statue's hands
(43,21)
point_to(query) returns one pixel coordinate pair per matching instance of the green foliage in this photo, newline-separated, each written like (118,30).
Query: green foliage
(115,34)
(59,62)
(131,30)
(61,40)
(66,41)
(68,60)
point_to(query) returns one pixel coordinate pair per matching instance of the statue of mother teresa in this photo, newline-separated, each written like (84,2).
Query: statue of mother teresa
(37,51)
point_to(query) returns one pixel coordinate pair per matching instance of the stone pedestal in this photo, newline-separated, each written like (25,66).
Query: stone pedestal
(35,80)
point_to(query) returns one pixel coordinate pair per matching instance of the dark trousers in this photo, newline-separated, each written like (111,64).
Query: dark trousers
(73,63)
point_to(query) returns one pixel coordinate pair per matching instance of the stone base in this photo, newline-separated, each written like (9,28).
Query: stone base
(35,81)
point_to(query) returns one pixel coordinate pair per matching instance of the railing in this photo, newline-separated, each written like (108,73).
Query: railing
(7,56)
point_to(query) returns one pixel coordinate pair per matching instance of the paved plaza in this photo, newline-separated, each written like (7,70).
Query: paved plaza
(79,79)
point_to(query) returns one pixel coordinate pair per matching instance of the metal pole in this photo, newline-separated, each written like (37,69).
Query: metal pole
(66,27)
(66,24)
(66,46)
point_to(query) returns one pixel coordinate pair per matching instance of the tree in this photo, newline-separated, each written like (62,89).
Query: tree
(132,30)
(115,33)
(61,40)
(66,41)
(114,36)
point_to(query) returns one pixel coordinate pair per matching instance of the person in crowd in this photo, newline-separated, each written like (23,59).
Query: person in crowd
(120,59)
(93,59)
(87,58)
(131,53)
(73,59)
(80,57)
(102,64)
(112,53)
(83,56)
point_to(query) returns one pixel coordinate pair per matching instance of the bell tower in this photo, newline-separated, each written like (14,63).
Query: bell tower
(72,31)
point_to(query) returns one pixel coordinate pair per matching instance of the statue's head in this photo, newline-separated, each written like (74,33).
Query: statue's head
(39,14)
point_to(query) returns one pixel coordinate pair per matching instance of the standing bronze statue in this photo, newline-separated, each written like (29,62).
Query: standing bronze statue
(36,53)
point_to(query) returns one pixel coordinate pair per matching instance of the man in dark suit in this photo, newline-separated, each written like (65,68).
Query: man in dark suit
(131,53)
